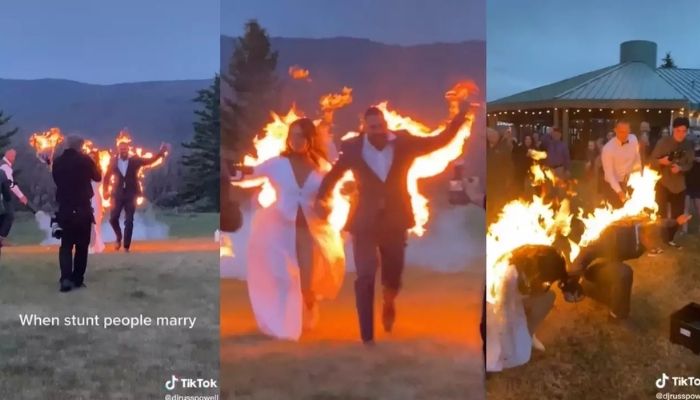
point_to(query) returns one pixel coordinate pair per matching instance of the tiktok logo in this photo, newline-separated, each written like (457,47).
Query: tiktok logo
(170,384)
(661,382)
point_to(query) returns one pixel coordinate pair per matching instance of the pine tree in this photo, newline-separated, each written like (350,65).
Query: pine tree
(5,137)
(251,78)
(668,61)
(201,163)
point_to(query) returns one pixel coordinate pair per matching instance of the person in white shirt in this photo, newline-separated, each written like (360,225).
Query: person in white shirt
(6,164)
(620,157)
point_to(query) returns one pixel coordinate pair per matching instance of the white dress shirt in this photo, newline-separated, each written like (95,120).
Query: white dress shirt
(6,167)
(122,165)
(620,160)
(379,160)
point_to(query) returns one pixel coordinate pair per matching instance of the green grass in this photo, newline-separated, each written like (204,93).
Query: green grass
(181,225)
(117,363)
(589,357)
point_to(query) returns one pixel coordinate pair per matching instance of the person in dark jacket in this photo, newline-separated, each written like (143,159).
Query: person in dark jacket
(381,212)
(123,175)
(73,172)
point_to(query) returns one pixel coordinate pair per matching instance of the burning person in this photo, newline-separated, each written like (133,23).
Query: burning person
(73,172)
(295,256)
(523,300)
(8,218)
(123,175)
(383,213)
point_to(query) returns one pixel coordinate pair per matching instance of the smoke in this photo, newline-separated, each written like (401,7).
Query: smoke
(146,227)
(455,241)
(43,221)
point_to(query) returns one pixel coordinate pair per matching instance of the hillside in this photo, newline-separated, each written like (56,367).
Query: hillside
(153,111)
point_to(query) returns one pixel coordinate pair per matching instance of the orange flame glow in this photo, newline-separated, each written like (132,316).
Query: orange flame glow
(334,101)
(44,143)
(125,138)
(299,73)
(428,165)
(535,223)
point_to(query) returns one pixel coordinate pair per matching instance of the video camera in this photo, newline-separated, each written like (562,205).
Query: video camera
(675,155)
(56,230)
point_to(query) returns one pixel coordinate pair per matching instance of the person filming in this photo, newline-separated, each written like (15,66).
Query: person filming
(73,173)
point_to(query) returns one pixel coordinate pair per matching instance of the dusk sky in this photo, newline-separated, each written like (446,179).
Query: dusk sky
(403,22)
(537,42)
(109,41)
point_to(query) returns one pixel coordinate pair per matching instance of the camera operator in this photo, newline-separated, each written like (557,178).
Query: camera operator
(73,172)
(673,156)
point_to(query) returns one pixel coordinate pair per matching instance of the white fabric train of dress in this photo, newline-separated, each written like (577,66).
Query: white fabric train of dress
(273,278)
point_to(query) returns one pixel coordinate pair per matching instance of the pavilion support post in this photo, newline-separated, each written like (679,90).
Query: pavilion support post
(565,127)
(555,121)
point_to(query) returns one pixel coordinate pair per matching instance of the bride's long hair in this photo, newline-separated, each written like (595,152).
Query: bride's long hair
(314,149)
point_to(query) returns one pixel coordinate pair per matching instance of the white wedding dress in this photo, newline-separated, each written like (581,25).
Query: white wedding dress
(508,340)
(273,278)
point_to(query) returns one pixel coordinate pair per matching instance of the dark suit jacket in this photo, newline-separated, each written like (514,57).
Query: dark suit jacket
(73,173)
(128,186)
(376,202)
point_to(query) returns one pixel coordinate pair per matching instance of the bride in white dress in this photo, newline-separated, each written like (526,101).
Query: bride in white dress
(295,258)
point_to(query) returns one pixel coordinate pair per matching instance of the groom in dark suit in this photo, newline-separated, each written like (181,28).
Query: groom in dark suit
(126,189)
(381,211)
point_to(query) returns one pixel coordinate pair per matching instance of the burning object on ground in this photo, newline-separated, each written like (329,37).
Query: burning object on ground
(685,327)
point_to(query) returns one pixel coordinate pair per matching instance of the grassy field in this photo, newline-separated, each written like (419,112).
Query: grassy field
(181,225)
(178,278)
(434,352)
(588,357)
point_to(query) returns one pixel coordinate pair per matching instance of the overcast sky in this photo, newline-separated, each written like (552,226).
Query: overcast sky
(532,43)
(388,21)
(109,41)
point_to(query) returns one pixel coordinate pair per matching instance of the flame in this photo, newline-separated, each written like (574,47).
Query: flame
(519,223)
(273,141)
(537,155)
(428,165)
(642,202)
(225,245)
(536,223)
(334,101)
(459,92)
(340,203)
(541,175)
(299,73)
(44,143)
(125,138)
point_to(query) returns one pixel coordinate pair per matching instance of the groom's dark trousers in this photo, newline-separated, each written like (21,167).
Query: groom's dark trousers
(380,214)
(383,247)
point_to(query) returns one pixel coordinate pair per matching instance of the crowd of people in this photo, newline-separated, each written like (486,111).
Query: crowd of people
(599,271)
(607,165)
